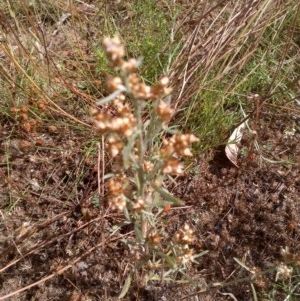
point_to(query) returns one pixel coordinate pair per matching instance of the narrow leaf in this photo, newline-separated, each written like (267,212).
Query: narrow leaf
(241,264)
(138,232)
(126,287)
(169,259)
(169,197)
(253,292)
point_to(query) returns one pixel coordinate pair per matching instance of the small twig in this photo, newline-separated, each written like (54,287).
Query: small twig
(58,272)
(29,233)
(101,168)
(14,243)
(57,238)
(230,295)
(99,176)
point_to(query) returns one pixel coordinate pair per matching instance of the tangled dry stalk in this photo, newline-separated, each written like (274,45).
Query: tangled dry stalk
(219,38)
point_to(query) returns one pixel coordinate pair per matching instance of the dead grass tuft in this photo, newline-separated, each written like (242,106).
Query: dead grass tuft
(218,39)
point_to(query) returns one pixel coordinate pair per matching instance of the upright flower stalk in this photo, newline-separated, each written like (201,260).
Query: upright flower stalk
(138,119)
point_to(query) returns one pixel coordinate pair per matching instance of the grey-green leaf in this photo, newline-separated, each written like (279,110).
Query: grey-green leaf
(169,197)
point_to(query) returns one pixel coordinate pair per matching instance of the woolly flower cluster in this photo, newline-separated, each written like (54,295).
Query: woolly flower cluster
(116,189)
(122,116)
(178,145)
(184,237)
(123,124)
(116,52)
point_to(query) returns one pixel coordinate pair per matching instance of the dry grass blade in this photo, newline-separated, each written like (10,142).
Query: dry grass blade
(34,65)
(219,39)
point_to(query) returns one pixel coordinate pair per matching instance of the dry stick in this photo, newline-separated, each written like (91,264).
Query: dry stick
(101,167)
(99,174)
(14,243)
(58,272)
(34,248)
(30,232)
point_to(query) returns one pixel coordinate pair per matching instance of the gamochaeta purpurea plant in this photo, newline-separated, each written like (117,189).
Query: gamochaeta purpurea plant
(145,152)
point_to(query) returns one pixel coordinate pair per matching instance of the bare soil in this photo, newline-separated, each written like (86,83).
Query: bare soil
(55,232)
(251,214)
